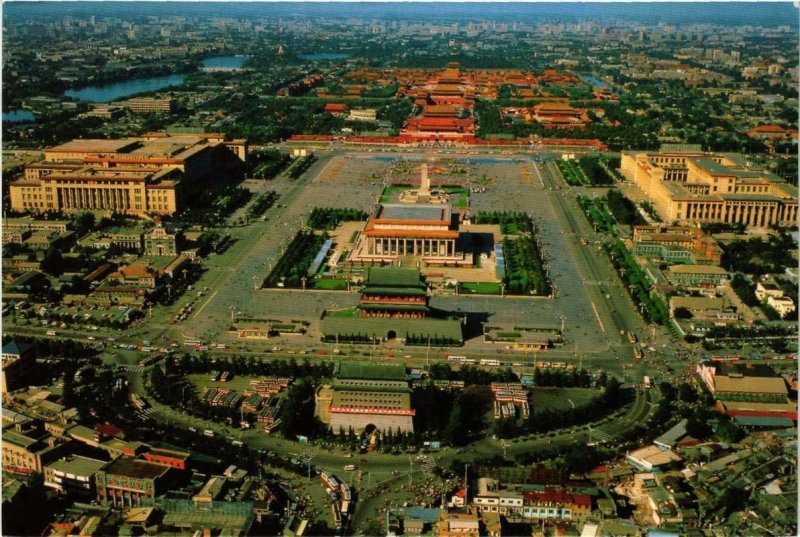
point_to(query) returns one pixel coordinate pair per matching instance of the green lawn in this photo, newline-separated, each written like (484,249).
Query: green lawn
(572,172)
(392,191)
(331,284)
(348,313)
(559,398)
(482,288)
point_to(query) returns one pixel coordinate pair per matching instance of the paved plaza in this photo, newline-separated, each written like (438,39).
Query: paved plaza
(589,301)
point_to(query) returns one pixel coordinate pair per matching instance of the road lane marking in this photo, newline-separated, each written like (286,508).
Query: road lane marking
(538,174)
(598,318)
(212,298)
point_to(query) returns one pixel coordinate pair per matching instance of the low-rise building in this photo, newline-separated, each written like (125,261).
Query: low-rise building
(129,482)
(18,365)
(363,114)
(26,452)
(134,275)
(151,105)
(697,276)
(783,305)
(550,505)
(211,490)
(652,458)
(752,393)
(73,475)
(767,289)
(160,242)
(489,498)
(702,308)
(458,525)
(168,457)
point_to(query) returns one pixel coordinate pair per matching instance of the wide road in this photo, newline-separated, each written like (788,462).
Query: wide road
(612,304)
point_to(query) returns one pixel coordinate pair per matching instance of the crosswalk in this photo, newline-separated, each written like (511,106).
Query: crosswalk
(144,415)
(135,368)
(427,464)
(599,435)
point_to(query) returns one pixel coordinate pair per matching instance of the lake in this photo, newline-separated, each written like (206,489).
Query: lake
(594,81)
(118,90)
(18,116)
(224,63)
(323,56)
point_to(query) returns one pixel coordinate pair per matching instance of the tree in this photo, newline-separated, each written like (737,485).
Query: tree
(728,431)
(454,433)
(297,413)
(697,426)
(687,393)
(84,223)
(53,262)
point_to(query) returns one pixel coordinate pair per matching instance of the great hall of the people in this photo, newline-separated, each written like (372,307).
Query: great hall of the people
(691,186)
(135,176)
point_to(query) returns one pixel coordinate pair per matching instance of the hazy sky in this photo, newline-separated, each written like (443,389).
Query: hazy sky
(729,13)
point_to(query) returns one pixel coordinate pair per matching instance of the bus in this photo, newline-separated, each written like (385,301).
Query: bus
(139,403)
(330,480)
(637,353)
(214,376)
(224,377)
(337,517)
(455,358)
(632,337)
(487,361)
(647,383)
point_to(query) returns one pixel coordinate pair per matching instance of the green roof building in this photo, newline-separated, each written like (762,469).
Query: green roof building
(394,292)
(394,304)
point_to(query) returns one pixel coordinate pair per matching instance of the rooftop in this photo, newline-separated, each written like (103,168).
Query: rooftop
(712,166)
(697,269)
(655,455)
(135,469)
(387,277)
(765,385)
(350,370)
(418,212)
(93,146)
(16,347)
(77,465)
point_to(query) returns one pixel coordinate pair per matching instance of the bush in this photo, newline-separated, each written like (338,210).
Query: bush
(623,209)
(328,218)
(293,265)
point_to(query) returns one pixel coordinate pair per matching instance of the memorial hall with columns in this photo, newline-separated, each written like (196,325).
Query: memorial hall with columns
(421,226)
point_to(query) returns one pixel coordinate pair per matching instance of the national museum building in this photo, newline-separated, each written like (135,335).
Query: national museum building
(692,186)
